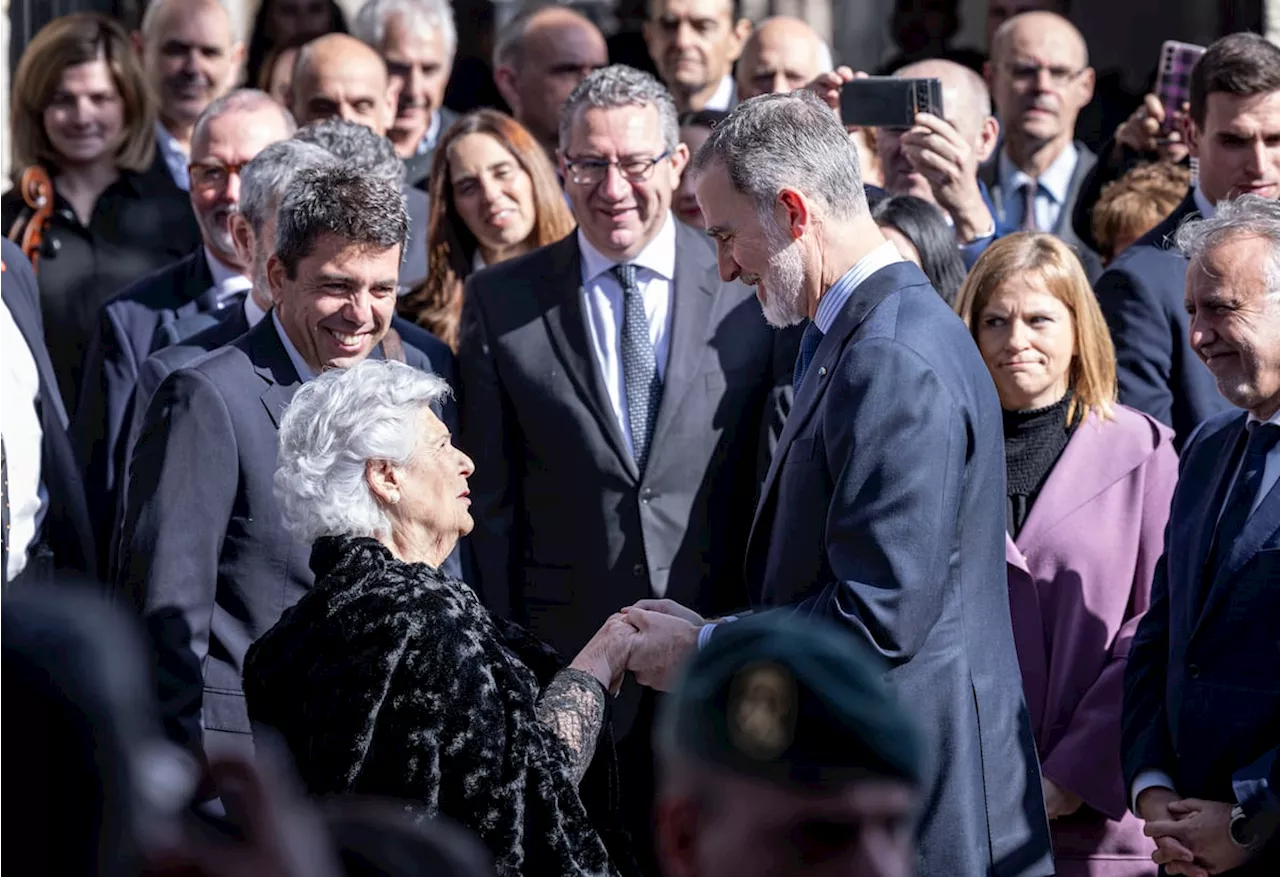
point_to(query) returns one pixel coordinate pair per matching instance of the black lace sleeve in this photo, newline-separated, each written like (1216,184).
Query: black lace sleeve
(572,706)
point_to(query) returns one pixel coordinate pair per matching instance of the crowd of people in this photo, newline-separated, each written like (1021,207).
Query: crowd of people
(652,475)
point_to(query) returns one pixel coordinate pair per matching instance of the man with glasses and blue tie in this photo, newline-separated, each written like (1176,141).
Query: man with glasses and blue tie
(616,396)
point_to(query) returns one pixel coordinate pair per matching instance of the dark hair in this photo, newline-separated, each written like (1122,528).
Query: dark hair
(349,202)
(922,224)
(1240,64)
(702,118)
(261,41)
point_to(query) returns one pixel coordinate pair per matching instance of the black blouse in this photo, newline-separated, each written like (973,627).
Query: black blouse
(141,223)
(1033,441)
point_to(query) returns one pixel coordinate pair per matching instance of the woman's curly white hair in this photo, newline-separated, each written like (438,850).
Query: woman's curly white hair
(332,428)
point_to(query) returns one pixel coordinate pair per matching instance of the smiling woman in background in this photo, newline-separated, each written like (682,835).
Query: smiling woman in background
(497,197)
(1089,484)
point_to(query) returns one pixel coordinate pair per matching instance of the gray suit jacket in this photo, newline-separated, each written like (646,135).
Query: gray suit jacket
(567,531)
(204,556)
(989,173)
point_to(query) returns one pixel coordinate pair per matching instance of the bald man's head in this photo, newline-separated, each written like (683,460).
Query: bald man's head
(966,103)
(190,56)
(782,54)
(1040,79)
(337,76)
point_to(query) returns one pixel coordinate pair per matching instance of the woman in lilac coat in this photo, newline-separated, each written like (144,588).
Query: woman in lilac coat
(1088,484)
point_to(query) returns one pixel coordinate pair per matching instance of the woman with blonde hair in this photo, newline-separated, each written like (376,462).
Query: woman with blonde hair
(495,195)
(1089,483)
(86,206)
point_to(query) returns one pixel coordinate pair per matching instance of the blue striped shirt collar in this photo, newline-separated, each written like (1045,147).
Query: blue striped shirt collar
(831,304)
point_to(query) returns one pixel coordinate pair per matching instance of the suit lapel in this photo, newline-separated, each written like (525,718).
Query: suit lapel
(692,301)
(566,319)
(271,362)
(1085,160)
(28,324)
(1220,460)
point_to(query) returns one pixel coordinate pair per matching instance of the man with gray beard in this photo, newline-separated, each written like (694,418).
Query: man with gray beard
(884,507)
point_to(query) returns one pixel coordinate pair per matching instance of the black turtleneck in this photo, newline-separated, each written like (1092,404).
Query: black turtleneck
(1033,441)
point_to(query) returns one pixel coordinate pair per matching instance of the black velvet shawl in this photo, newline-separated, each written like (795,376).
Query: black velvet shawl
(390,679)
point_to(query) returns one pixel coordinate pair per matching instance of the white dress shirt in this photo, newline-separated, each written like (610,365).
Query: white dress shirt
(602,296)
(253,313)
(226,281)
(175,157)
(299,364)
(725,97)
(23,442)
(1202,203)
(1053,187)
(428,141)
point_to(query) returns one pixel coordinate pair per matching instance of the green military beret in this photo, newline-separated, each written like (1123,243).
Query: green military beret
(792,700)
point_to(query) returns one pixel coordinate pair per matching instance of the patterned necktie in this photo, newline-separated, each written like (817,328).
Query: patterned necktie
(1029,192)
(639,366)
(1262,439)
(809,342)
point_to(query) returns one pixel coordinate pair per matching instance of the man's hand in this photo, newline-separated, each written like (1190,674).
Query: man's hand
(1141,131)
(1059,801)
(672,608)
(1177,858)
(939,154)
(1203,827)
(663,645)
(827,86)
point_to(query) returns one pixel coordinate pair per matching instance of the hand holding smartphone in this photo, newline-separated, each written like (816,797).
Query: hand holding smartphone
(1173,79)
(889,102)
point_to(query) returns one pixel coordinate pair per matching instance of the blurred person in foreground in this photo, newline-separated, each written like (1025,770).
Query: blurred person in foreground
(390,677)
(496,197)
(881,511)
(1136,203)
(921,235)
(695,128)
(1088,483)
(782,752)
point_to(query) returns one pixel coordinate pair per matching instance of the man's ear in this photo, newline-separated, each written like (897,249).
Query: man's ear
(988,138)
(242,239)
(276,277)
(383,480)
(1191,133)
(741,33)
(505,79)
(797,217)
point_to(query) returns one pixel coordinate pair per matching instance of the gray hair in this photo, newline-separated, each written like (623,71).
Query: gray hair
(621,86)
(370,25)
(793,141)
(1245,216)
(341,200)
(332,428)
(356,145)
(242,100)
(264,180)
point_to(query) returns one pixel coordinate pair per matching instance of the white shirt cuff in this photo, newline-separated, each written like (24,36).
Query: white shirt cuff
(1148,779)
(704,635)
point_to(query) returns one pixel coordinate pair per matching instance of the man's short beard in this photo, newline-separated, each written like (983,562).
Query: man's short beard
(784,281)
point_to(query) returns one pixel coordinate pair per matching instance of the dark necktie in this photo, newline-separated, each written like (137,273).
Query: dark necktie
(1262,439)
(639,365)
(4,515)
(809,342)
(1029,192)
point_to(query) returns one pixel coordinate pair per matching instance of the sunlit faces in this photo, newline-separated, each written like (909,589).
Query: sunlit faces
(1235,322)
(418,64)
(686,202)
(781,56)
(618,215)
(339,305)
(1027,338)
(493,194)
(1041,80)
(190,58)
(693,42)
(433,496)
(1239,146)
(85,118)
(343,79)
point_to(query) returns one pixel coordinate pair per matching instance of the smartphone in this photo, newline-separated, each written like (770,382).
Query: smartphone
(1173,79)
(889,102)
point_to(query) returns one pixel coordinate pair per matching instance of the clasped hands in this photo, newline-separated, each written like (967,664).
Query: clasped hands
(651,640)
(1193,837)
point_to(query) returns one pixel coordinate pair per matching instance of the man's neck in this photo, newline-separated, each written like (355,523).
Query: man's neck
(180,131)
(1033,158)
(406,140)
(232,265)
(696,101)
(261,297)
(836,256)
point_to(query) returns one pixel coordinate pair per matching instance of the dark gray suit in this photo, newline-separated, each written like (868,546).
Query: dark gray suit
(884,510)
(204,555)
(989,174)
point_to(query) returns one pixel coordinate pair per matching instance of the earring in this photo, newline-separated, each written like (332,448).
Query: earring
(393,498)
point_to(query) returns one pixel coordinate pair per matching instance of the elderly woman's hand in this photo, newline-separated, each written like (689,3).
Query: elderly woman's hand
(605,656)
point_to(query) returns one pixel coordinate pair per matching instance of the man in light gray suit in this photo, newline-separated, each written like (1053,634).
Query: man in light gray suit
(615,392)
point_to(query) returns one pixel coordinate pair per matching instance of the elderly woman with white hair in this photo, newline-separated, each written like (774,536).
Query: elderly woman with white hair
(391,679)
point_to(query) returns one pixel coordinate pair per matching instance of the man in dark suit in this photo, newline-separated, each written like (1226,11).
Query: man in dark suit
(883,508)
(230,132)
(1201,722)
(1234,131)
(204,554)
(46,522)
(1040,78)
(615,393)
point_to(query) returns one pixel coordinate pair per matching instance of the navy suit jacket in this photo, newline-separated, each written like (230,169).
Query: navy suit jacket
(1141,295)
(204,556)
(1202,695)
(126,334)
(67,531)
(884,510)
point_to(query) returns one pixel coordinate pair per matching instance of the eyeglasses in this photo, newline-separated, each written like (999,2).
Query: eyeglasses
(590,171)
(213,176)
(1059,76)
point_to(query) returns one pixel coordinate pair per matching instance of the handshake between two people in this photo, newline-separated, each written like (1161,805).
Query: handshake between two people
(651,640)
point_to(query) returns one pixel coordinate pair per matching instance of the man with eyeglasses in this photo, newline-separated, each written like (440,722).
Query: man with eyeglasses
(230,132)
(1040,78)
(616,399)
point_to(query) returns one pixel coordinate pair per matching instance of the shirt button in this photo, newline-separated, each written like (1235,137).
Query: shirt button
(646,494)
(637,570)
